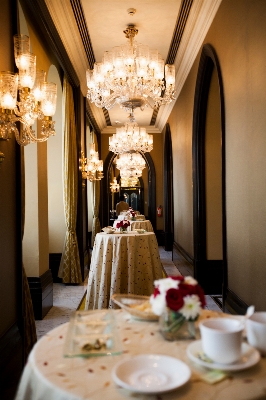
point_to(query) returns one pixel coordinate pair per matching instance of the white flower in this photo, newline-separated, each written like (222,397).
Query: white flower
(190,281)
(164,284)
(158,304)
(192,307)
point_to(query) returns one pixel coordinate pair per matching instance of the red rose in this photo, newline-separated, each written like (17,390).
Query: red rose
(156,292)
(188,290)
(174,299)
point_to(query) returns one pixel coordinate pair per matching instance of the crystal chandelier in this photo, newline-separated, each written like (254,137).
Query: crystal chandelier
(131,75)
(114,186)
(129,182)
(37,98)
(130,137)
(130,165)
(92,167)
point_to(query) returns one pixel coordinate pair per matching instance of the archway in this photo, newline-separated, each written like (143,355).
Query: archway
(210,272)
(105,189)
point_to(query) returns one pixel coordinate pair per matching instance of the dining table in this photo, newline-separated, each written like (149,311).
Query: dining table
(122,263)
(50,375)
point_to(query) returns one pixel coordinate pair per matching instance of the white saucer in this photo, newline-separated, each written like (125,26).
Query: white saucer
(249,357)
(151,373)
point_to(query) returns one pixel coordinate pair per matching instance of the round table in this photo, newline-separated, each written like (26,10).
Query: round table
(48,375)
(122,263)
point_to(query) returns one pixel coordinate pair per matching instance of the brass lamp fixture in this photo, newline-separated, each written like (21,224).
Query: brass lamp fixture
(114,186)
(37,98)
(91,168)
(131,75)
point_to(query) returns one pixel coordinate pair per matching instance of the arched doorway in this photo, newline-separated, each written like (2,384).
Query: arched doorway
(210,268)
(105,189)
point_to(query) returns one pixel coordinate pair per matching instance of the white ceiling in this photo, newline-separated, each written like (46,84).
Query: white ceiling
(155,21)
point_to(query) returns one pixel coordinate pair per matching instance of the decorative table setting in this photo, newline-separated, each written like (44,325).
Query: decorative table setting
(126,262)
(129,352)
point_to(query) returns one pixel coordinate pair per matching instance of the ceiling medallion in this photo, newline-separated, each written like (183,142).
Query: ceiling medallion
(131,75)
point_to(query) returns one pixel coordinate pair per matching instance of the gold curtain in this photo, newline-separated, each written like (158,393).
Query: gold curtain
(30,336)
(69,269)
(96,227)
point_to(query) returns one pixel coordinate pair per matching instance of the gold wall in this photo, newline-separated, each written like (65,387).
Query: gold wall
(238,36)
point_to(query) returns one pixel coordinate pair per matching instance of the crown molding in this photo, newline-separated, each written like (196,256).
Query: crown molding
(110,130)
(200,18)
(64,20)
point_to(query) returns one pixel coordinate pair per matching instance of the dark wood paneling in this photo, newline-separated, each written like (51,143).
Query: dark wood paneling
(41,290)
(168,190)
(11,362)
(208,61)
(54,263)
(12,356)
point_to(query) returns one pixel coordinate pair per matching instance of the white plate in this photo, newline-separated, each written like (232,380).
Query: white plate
(249,357)
(151,373)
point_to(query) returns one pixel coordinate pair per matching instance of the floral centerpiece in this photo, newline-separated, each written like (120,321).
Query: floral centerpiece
(123,225)
(132,213)
(178,301)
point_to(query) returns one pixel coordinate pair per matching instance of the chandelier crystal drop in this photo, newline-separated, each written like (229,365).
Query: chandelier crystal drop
(92,167)
(36,97)
(131,75)
(130,138)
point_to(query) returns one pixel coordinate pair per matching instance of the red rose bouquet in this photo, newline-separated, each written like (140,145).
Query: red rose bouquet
(123,225)
(179,294)
(177,300)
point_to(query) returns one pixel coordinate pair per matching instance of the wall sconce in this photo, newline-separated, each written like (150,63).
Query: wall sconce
(91,168)
(37,98)
(2,157)
(114,186)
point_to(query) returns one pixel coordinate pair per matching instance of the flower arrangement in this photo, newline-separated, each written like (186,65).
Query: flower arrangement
(131,213)
(179,294)
(123,225)
(178,301)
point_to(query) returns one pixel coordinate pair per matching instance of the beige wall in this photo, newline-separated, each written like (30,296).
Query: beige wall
(181,131)
(238,35)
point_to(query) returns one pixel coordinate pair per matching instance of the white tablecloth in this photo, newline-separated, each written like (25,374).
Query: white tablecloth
(146,224)
(122,263)
(50,376)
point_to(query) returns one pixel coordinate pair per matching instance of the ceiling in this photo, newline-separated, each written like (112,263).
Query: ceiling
(176,28)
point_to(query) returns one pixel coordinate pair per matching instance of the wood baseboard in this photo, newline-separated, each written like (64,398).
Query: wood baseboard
(41,290)
(234,304)
(179,249)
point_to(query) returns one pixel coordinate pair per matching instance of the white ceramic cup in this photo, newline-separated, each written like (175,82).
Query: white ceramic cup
(256,331)
(221,339)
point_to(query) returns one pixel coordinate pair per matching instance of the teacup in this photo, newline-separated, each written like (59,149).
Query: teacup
(222,339)
(256,331)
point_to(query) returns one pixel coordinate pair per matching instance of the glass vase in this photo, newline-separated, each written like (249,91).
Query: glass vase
(123,230)
(174,326)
